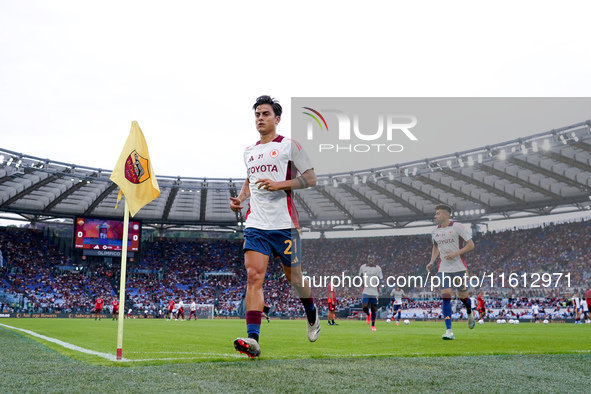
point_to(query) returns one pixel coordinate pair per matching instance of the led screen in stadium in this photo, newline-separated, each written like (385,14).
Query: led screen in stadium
(105,234)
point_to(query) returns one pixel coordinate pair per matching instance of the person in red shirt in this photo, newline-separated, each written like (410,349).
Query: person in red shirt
(588,300)
(98,308)
(481,306)
(332,304)
(170,309)
(115,306)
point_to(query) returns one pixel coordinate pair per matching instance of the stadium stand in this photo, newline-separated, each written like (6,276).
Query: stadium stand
(542,174)
(39,277)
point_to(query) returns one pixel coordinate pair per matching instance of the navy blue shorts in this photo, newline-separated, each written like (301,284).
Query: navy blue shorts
(284,244)
(365,299)
(397,307)
(454,280)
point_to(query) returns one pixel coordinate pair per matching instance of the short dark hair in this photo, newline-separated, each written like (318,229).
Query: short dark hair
(444,207)
(273,102)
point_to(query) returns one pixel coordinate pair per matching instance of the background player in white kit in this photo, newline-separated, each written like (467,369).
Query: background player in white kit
(193,309)
(371,274)
(535,312)
(396,295)
(180,311)
(585,313)
(448,238)
(577,308)
(271,226)
(474,306)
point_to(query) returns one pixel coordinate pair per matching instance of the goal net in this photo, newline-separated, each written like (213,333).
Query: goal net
(203,310)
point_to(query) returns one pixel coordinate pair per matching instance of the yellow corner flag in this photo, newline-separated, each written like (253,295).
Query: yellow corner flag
(133,172)
(135,177)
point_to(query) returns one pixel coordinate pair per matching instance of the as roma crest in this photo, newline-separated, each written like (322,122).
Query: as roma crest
(136,168)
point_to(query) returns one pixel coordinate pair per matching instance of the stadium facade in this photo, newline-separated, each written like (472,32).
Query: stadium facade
(542,174)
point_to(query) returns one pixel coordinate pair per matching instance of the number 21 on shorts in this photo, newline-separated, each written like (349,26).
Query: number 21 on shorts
(290,243)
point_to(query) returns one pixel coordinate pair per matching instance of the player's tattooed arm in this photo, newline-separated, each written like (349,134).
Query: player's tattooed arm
(244,191)
(244,196)
(302,182)
(236,202)
(307,179)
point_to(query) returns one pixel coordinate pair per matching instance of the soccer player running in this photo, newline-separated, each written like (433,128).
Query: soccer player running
(585,313)
(396,295)
(271,225)
(481,305)
(266,311)
(170,309)
(448,238)
(180,312)
(577,308)
(474,306)
(115,307)
(98,307)
(535,311)
(193,308)
(371,274)
(332,304)
(588,301)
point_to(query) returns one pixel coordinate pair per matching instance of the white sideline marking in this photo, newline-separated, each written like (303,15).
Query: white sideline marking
(190,353)
(67,345)
(108,356)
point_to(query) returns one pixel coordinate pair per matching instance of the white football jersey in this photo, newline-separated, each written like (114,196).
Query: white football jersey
(397,295)
(448,240)
(371,272)
(278,160)
(576,302)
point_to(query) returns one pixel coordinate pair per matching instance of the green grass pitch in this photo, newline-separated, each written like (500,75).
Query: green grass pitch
(201,353)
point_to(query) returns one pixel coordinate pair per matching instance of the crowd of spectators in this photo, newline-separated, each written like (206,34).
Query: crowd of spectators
(550,306)
(39,277)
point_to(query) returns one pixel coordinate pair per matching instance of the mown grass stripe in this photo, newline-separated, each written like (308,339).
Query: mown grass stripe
(110,357)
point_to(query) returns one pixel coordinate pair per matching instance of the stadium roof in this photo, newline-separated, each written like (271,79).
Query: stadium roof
(537,175)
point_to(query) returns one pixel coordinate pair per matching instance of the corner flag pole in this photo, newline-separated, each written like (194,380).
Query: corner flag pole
(135,177)
(122,283)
